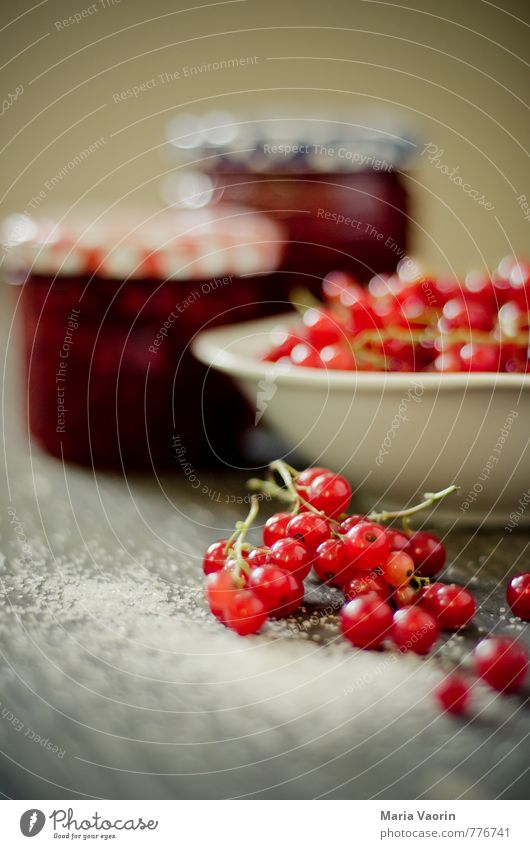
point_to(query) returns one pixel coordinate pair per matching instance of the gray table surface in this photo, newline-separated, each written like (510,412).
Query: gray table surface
(116,682)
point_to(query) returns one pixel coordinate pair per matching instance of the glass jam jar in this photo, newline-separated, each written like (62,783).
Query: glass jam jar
(109,305)
(337,187)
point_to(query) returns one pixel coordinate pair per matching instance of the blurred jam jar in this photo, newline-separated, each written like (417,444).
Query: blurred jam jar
(110,302)
(337,186)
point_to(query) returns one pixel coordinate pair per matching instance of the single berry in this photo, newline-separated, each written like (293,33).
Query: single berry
(275,528)
(330,564)
(428,553)
(220,587)
(366,621)
(414,629)
(366,546)
(405,596)
(502,663)
(214,559)
(338,357)
(271,585)
(259,557)
(291,555)
(294,599)
(306,478)
(398,569)
(322,328)
(397,540)
(330,494)
(452,605)
(305,356)
(367,582)
(245,613)
(350,521)
(452,694)
(310,529)
(518,595)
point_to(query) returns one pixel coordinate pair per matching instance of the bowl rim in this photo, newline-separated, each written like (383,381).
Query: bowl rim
(212,347)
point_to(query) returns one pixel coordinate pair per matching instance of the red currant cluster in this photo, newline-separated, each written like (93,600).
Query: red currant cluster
(411,322)
(384,573)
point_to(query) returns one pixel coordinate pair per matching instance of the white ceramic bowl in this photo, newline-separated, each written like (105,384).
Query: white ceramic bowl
(394,436)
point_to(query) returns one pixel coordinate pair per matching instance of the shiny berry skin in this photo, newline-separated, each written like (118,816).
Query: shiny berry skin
(309,529)
(475,357)
(307,477)
(405,596)
(338,357)
(275,528)
(452,694)
(397,540)
(291,555)
(305,356)
(245,613)
(258,557)
(350,521)
(502,663)
(329,563)
(330,494)
(271,585)
(414,629)
(459,313)
(366,621)
(518,595)
(452,605)
(214,559)
(295,598)
(367,582)
(427,552)
(366,546)
(220,587)
(321,328)
(398,569)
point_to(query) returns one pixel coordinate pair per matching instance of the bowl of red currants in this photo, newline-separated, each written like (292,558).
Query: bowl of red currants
(403,385)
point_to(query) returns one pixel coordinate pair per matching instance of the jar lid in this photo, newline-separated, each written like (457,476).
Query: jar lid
(142,243)
(376,142)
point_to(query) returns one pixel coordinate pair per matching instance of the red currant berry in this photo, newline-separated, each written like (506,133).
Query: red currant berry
(321,328)
(518,595)
(305,356)
(329,493)
(259,557)
(338,357)
(367,582)
(245,613)
(214,559)
(271,585)
(220,588)
(414,630)
(397,540)
(309,529)
(350,521)
(398,569)
(294,599)
(452,694)
(476,357)
(306,478)
(275,528)
(502,663)
(366,621)
(427,552)
(459,313)
(329,563)
(366,546)
(452,605)
(405,596)
(291,555)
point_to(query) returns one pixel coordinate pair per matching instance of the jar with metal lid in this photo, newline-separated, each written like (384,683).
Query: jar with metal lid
(110,302)
(336,186)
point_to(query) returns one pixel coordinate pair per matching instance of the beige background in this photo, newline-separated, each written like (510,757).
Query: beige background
(457,69)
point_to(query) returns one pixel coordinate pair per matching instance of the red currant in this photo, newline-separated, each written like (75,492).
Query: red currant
(338,357)
(466,313)
(366,621)
(397,540)
(366,546)
(414,629)
(350,521)
(306,478)
(427,552)
(220,588)
(518,595)
(294,598)
(310,529)
(398,569)
(367,582)
(275,528)
(271,585)
(453,606)
(477,357)
(321,328)
(452,694)
(305,356)
(291,555)
(501,662)
(214,559)
(330,564)
(245,613)
(330,494)
(405,596)
(259,557)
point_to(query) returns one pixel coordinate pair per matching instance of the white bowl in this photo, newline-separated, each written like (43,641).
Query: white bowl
(394,436)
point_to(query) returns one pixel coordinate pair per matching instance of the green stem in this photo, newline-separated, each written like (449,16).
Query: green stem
(237,541)
(430,498)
